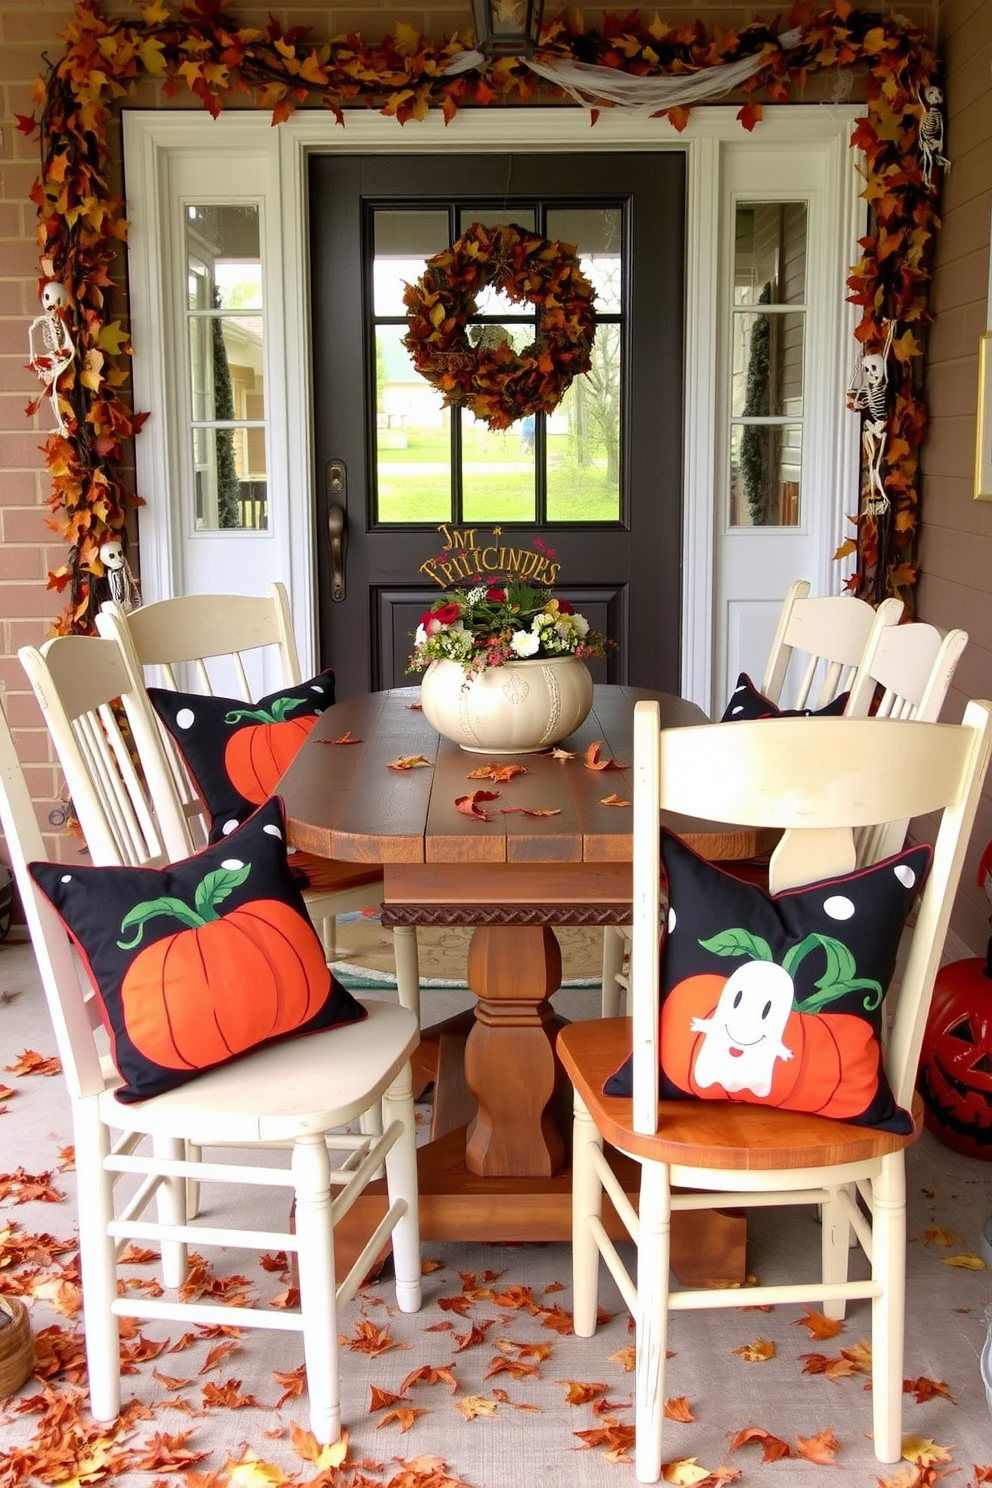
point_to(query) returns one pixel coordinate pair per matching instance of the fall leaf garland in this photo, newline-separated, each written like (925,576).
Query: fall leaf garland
(205,52)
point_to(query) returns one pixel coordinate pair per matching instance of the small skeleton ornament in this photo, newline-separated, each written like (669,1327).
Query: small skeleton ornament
(120,579)
(869,395)
(52,349)
(932,133)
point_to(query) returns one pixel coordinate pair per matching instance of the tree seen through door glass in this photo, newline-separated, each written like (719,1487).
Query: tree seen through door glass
(434,463)
(768,341)
(226,366)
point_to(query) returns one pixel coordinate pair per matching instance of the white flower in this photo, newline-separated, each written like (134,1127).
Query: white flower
(524,642)
(420,637)
(580,625)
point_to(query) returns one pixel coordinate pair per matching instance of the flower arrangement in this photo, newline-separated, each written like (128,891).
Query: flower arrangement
(498,621)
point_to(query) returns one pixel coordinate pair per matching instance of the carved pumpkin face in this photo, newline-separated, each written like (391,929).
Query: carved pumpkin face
(955,1078)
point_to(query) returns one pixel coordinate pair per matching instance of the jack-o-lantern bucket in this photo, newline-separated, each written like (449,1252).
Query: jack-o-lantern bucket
(955,1077)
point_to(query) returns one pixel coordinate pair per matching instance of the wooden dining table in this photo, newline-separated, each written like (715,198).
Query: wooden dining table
(550,846)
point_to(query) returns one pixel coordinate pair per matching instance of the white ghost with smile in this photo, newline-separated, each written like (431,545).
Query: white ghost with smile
(743,1038)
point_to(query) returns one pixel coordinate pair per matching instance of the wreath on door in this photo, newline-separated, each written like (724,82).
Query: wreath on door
(479,369)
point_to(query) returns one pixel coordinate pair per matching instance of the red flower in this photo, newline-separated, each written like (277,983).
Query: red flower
(445,614)
(496,594)
(564,608)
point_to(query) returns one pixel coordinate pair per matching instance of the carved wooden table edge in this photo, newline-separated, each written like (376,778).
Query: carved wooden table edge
(505,914)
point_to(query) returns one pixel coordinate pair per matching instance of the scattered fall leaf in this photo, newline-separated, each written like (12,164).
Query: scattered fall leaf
(678,1409)
(616,1439)
(614,800)
(31,1063)
(561,755)
(531,810)
(7,1092)
(757,1352)
(821,1448)
(342,739)
(625,1357)
(773,1448)
(592,759)
(324,1456)
(470,805)
(924,1449)
(404,1417)
(408,762)
(472,1406)
(581,1394)
(430,1374)
(923,1389)
(380,1399)
(818,1325)
(368,1339)
(967,1261)
(500,773)
(938,1235)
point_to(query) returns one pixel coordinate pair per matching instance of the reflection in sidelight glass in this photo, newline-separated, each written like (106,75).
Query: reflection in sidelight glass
(226,366)
(768,351)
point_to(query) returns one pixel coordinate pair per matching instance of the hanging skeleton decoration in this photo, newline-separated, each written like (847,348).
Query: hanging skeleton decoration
(52,349)
(120,579)
(932,133)
(869,395)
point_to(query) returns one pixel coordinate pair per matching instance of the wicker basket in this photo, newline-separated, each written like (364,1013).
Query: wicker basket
(16,1346)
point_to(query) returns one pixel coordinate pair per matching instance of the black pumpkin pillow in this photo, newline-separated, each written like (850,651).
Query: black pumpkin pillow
(237,752)
(202,961)
(747,703)
(777,1000)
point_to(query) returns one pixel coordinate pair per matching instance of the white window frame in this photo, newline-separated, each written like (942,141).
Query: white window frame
(157,148)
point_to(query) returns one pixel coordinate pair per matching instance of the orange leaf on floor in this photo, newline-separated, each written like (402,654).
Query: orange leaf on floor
(516,1368)
(31,1063)
(430,1374)
(924,1450)
(757,1352)
(678,1409)
(475,1405)
(625,1358)
(938,1235)
(381,1399)
(325,1456)
(923,1389)
(581,1394)
(820,1448)
(228,1395)
(368,1339)
(7,1092)
(773,1448)
(615,1438)
(475,1335)
(404,1416)
(818,1325)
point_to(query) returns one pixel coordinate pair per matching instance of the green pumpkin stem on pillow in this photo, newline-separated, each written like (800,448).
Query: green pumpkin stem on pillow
(277,712)
(839,976)
(210,892)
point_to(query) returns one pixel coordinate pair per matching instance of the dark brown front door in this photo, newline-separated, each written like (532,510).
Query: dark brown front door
(599,480)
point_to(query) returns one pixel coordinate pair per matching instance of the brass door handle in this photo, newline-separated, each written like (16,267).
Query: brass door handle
(337,491)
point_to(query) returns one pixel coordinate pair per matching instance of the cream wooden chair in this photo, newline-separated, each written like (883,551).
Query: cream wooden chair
(290,1095)
(832,632)
(214,638)
(819,780)
(909,669)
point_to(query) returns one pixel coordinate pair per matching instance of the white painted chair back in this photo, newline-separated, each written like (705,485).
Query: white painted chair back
(909,669)
(831,632)
(820,780)
(296,1095)
(115,767)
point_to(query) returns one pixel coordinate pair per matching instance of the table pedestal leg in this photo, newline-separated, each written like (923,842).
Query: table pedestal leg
(510,1063)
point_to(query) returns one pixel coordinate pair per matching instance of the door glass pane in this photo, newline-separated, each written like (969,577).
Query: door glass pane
(436,464)
(765,475)
(768,364)
(770,253)
(226,365)
(583,440)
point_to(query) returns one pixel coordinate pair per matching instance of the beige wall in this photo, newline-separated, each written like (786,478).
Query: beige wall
(956,539)
(957,534)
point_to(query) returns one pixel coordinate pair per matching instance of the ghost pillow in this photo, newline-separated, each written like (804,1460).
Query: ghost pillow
(747,703)
(778,1000)
(236,752)
(201,962)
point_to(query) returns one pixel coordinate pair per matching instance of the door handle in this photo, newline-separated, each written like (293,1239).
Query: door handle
(337,490)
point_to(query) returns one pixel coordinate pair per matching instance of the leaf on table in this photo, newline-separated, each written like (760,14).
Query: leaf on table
(616,1438)
(430,1374)
(592,760)
(818,1325)
(32,1063)
(579,1393)
(470,805)
(965,1262)
(561,755)
(614,800)
(773,1448)
(403,1415)
(924,1450)
(408,762)
(347,738)
(821,1448)
(678,1409)
(939,1235)
(368,1339)
(501,773)
(476,1405)
(923,1389)
(531,810)
(757,1352)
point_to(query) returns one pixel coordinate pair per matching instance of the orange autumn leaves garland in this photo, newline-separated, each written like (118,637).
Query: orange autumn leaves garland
(205,52)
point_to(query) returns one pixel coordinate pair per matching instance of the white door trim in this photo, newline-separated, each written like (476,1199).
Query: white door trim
(150,138)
